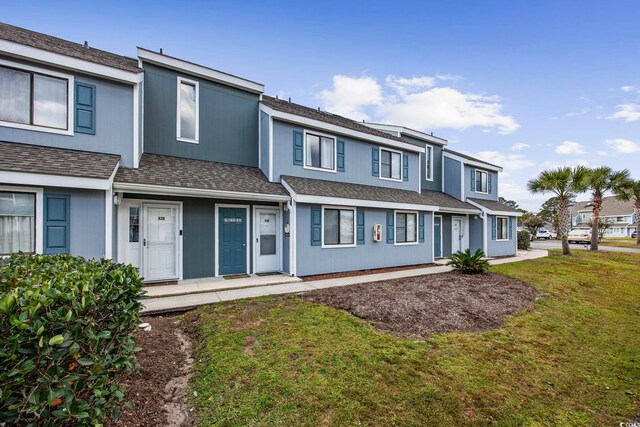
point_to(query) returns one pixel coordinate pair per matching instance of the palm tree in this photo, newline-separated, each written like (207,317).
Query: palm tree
(598,182)
(634,191)
(563,182)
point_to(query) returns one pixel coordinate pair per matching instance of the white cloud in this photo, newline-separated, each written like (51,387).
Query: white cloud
(350,94)
(416,102)
(603,153)
(626,112)
(629,88)
(520,146)
(570,147)
(623,146)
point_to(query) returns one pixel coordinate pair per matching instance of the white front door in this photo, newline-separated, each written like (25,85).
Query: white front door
(267,234)
(160,241)
(457,235)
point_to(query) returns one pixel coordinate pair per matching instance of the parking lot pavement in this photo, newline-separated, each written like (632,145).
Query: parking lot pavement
(557,244)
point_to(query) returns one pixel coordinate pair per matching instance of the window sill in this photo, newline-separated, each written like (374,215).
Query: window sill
(406,243)
(503,240)
(338,246)
(390,179)
(37,128)
(311,168)
(481,192)
(190,141)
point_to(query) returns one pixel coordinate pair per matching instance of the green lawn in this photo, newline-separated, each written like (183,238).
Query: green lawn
(575,360)
(620,242)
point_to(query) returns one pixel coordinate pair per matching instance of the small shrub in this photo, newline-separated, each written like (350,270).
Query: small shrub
(66,325)
(524,240)
(467,263)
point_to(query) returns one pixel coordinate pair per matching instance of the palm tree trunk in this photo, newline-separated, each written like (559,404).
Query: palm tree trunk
(595,221)
(564,222)
(637,206)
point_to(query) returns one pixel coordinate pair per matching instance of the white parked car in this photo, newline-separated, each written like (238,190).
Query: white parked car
(579,236)
(553,234)
(543,234)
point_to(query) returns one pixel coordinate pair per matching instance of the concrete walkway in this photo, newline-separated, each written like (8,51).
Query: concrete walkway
(183,302)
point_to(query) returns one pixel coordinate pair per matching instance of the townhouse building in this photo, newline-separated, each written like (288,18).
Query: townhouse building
(188,172)
(619,215)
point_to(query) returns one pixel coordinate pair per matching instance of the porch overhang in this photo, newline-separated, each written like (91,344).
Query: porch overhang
(196,192)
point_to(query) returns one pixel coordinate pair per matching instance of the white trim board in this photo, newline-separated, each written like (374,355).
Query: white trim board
(199,70)
(476,163)
(195,192)
(339,130)
(44,180)
(179,81)
(492,212)
(62,61)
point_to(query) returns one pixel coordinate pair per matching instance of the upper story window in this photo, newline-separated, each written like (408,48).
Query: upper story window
(17,222)
(429,163)
(188,108)
(320,152)
(31,99)
(406,227)
(338,227)
(390,164)
(482,181)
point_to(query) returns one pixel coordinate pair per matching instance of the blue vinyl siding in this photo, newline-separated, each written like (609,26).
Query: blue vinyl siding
(113,121)
(357,159)
(475,233)
(317,260)
(228,120)
(452,184)
(436,183)
(501,248)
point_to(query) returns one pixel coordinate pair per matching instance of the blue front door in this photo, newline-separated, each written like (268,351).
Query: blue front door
(232,251)
(437,236)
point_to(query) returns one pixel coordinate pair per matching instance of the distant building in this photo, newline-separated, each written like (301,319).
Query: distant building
(620,214)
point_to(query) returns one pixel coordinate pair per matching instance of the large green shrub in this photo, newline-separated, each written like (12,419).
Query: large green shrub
(524,240)
(66,328)
(468,263)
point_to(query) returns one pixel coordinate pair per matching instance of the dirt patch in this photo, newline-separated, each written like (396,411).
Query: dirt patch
(433,303)
(364,272)
(158,391)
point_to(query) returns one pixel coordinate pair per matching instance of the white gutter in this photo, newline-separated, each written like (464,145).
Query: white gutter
(492,212)
(197,192)
(44,180)
(479,164)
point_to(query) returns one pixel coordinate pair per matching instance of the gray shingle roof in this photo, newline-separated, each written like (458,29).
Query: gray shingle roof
(611,205)
(56,161)
(494,205)
(320,187)
(64,47)
(323,116)
(466,156)
(169,171)
(438,198)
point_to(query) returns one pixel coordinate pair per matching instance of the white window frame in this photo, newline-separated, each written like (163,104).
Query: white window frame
(498,218)
(39,221)
(380,163)
(355,220)
(395,228)
(181,80)
(70,99)
(428,160)
(475,177)
(304,151)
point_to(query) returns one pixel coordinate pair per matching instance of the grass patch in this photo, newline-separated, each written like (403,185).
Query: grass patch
(620,242)
(574,360)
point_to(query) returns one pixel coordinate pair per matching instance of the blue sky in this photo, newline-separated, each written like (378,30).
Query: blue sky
(529,85)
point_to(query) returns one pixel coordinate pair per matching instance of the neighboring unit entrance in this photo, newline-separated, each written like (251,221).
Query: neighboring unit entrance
(267,240)
(456,241)
(232,241)
(437,236)
(160,242)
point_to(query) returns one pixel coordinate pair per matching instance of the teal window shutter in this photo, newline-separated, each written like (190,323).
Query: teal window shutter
(316,226)
(340,155)
(85,108)
(375,161)
(360,227)
(421,227)
(510,228)
(473,180)
(489,182)
(405,167)
(298,150)
(390,231)
(56,224)
(493,228)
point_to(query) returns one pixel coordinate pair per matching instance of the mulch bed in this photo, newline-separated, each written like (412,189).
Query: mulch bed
(162,360)
(364,272)
(431,304)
